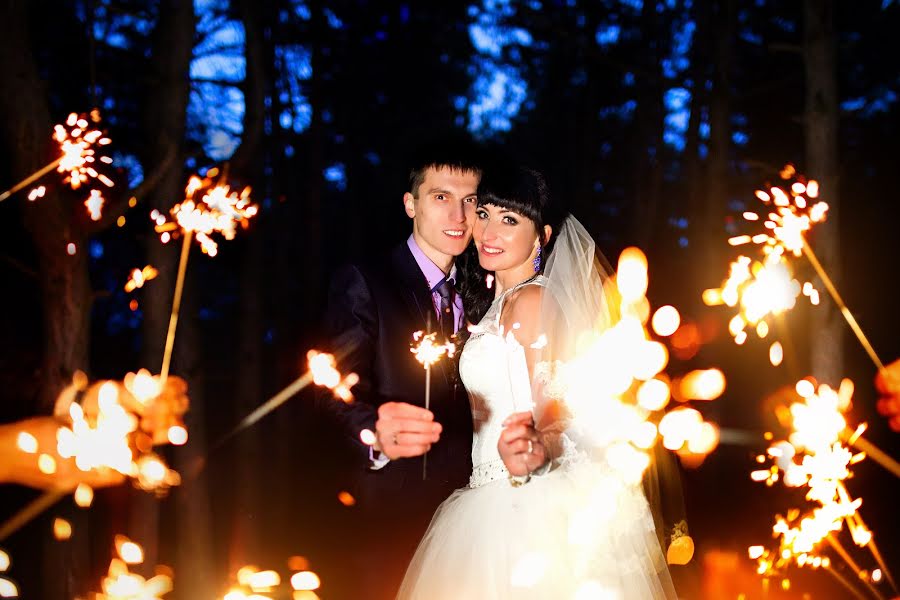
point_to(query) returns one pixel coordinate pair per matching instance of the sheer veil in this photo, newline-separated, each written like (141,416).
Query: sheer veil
(575,380)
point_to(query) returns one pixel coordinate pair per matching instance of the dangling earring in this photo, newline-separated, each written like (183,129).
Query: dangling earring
(537,261)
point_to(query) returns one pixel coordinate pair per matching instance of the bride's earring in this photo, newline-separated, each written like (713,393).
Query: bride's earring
(537,260)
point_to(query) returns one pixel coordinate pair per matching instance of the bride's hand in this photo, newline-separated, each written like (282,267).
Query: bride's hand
(520,445)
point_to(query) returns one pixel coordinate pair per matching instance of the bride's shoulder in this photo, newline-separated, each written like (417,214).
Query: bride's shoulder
(522,308)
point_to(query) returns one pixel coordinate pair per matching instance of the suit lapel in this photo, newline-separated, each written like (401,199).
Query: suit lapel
(415,290)
(416,293)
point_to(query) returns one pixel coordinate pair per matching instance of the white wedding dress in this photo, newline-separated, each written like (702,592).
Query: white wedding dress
(578,532)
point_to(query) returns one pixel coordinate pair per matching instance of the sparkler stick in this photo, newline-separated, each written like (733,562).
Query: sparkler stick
(428,353)
(848,316)
(76,140)
(876,454)
(839,548)
(873,548)
(30,511)
(176,305)
(321,372)
(218,210)
(843,581)
(31,178)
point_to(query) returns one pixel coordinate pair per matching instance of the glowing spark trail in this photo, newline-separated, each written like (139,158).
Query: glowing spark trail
(814,457)
(427,352)
(218,210)
(77,140)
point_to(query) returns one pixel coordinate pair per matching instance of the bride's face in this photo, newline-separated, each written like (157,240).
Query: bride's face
(504,239)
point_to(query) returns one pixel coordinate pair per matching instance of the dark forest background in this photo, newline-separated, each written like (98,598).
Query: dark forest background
(654,121)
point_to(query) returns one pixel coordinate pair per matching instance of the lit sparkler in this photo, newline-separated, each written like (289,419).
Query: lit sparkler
(121,584)
(78,140)
(428,352)
(209,207)
(815,457)
(255,584)
(794,209)
(113,427)
(321,371)
(121,425)
(761,290)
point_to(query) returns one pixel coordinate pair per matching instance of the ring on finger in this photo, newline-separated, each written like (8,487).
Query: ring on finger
(394,439)
(530,447)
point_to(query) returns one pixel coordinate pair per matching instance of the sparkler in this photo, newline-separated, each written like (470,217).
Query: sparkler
(121,584)
(428,352)
(77,140)
(254,584)
(322,371)
(815,457)
(114,427)
(794,210)
(218,210)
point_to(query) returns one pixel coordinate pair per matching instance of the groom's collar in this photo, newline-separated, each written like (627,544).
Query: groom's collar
(433,273)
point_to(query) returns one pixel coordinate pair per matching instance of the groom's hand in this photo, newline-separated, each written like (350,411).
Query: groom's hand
(404,430)
(520,445)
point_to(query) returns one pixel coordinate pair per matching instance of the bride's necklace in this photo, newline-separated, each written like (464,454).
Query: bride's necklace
(516,286)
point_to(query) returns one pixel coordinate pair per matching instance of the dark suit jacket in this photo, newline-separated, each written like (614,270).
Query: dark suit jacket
(373,309)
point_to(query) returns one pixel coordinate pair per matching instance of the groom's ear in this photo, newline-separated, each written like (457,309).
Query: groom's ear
(409,205)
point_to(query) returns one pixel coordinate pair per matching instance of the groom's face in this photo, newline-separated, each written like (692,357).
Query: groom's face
(443,211)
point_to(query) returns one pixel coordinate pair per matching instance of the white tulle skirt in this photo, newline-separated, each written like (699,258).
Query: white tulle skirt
(578,532)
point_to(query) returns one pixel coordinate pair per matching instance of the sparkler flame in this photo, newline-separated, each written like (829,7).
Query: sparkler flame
(120,426)
(815,457)
(77,140)
(218,210)
(324,372)
(427,351)
(121,584)
(617,385)
(254,584)
(763,288)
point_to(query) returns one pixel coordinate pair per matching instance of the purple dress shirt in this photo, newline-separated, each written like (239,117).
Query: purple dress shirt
(434,275)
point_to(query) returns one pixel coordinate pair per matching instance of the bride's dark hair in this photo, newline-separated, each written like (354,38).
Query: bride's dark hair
(523,191)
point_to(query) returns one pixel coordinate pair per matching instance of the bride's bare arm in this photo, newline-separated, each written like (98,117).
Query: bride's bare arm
(520,444)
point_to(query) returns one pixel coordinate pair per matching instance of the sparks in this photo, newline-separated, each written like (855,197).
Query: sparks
(77,140)
(816,458)
(94,204)
(427,352)
(218,210)
(139,277)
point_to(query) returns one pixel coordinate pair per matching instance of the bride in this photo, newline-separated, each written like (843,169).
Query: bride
(544,515)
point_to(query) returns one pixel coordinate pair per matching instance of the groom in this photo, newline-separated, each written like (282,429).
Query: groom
(374,308)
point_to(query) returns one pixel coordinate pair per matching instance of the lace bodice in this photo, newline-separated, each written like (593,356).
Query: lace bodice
(494,371)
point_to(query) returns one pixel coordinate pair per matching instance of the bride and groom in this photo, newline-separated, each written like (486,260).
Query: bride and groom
(519,505)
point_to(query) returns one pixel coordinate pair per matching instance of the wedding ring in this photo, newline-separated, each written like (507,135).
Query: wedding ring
(530,447)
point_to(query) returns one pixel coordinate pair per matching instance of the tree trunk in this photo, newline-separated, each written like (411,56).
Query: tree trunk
(719,142)
(164,123)
(822,164)
(247,165)
(648,143)
(51,221)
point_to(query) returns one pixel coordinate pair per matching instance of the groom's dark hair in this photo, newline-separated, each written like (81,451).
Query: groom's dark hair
(458,155)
